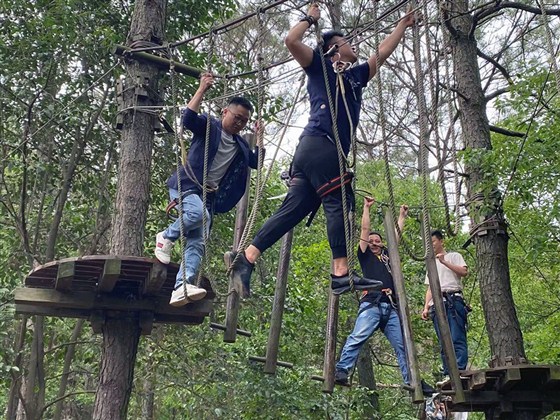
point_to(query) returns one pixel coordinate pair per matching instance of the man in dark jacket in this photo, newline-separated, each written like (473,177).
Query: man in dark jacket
(316,178)
(229,160)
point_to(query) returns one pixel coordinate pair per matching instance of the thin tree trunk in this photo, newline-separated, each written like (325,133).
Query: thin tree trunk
(70,351)
(15,386)
(366,378)
(121,332)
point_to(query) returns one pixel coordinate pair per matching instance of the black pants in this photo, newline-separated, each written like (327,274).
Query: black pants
(315,163)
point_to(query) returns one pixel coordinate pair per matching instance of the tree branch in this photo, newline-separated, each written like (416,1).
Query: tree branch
(502,69)
(506,132)
(512,5)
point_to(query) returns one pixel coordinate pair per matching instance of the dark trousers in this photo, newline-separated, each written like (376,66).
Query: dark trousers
(315,163)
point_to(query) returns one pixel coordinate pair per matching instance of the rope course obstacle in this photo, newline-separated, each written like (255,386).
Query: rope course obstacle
(95,287)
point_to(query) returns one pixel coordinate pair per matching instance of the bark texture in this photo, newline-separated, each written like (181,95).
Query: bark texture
(506,340)
(121,332)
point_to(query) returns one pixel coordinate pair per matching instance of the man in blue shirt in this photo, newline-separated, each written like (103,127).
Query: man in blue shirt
(229,158)
(315,168)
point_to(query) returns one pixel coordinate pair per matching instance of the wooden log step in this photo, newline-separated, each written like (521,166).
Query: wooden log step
(278,362)
(221,327)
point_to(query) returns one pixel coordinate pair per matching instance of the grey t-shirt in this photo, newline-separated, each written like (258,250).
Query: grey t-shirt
(224,156)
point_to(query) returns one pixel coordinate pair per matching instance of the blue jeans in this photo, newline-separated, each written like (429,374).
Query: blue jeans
(192,230)
(456,313)
(369,320)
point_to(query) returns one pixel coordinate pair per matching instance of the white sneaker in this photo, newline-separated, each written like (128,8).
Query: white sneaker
(443,381)
(163,248)
(193,293)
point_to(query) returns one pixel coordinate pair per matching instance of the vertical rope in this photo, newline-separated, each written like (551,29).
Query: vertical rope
(205,166)
(341,158)
(424,138)
(179,163)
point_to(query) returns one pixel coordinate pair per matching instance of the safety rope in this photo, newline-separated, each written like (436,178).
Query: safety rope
(249,226)
(348,234)
(179,163)
(424,138)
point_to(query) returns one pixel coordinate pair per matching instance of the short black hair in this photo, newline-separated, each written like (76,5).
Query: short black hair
(240,100)
(327,38)
(438,234)
(375,232)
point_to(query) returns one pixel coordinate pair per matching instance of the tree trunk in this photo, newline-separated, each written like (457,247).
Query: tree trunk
(366,378)
(121,332)
(70,351)
(506,341)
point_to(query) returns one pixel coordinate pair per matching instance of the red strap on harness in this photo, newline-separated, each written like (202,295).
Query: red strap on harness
(334,184)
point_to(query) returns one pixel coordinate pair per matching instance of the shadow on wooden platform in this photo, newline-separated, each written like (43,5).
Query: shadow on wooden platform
(504,390)
(98,286)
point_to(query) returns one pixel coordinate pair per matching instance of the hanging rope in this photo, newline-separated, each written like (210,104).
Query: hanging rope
(247,231)
(180,162)
(424,138)
(348,219)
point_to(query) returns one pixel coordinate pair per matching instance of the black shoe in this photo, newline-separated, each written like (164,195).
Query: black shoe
(427,389)
(342,285)
(241,272)
(341,377)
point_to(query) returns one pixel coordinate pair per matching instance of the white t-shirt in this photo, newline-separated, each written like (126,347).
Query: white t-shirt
(227,150)
(448,279)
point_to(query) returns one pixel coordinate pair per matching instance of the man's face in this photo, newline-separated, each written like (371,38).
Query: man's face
(375,244)
(345,49)
(437,244)
(235,118)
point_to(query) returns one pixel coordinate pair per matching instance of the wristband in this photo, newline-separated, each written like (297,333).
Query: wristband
(309,19)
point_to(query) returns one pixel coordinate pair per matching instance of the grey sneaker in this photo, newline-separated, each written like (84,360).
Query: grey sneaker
(241,272)
(163,248)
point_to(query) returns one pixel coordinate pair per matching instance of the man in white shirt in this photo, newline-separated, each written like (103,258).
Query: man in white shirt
(450,267)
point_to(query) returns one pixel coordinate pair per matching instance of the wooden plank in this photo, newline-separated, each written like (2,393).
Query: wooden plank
(553,377)
(146,321)
(109,276)
(183,319)
(330,343)
(273,342)
(477,380)
(65,276)
(512,377)
(278,362)
(90,300)
(156,278)
(221,327)
(97,320)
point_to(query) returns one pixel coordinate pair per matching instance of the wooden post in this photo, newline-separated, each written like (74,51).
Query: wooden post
(404,312)
(444,331)
(330,343)
(278,304)
(232,304)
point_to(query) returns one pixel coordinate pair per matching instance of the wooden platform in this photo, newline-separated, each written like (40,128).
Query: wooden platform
(97,286)
(507,389)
